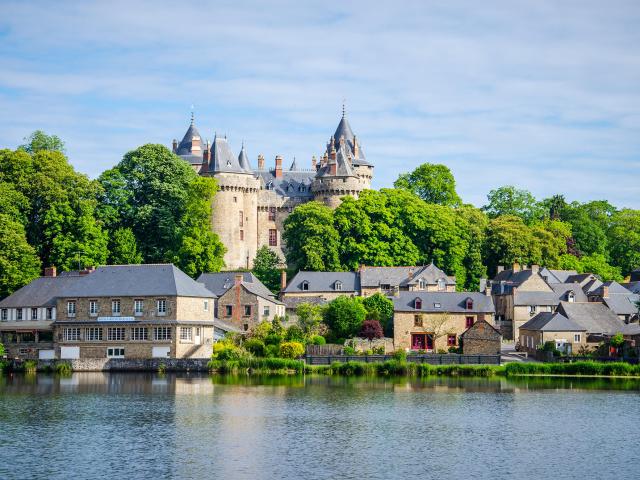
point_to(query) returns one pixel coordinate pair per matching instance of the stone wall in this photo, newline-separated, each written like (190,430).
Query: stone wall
(104,364)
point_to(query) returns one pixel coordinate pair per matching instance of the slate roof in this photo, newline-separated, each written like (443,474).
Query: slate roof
(220,282)
(514,278)
(562,291)
(184,147)
(344,130)
(535,298)
(291,184)
(450,302)
(41,292)
(481,330)
(227,327)
(633,287)
(622,304)
(323,282)
(591,285)
(243,160)
(614,288)
(594,317)
(635,275)
(395,276)
(552,322)
(137,280)
(222,158)
(556,276)
(581,278)
(343,164)
(293,302)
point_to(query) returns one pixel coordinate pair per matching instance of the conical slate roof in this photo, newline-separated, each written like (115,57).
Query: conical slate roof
(344,131)
(185,146)
(243,160)
(222,158)
(294,166)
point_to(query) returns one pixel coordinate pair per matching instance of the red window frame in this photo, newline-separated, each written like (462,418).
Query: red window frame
(451,340)
(272,214)
(241,234)
(418,304)
(273,237)
(469,321)
(241,214)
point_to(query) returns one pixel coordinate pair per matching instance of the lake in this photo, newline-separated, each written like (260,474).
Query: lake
(134,426)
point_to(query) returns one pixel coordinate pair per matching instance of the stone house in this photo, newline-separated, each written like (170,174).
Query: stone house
(568,335)
(618,299)
(242,299)
(387,280)
(251,204)
(433,321)
(27,315)
(595,318)
(481,338)
(134,311)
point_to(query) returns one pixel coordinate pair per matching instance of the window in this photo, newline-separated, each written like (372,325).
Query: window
(206,305)
(34,314)
(385,286)
(139,333)
(468,322)
(115,307)
(266,311)
(93,334)
(71,334)
(305,285)
(442,285)
(241,234)
(186,334)
(115,352)
(273,237)
(451,340)
(49,313)
(533,309)
(241,218)
(93,307)
(115,333)
(18,314)
(162,333)
(417,320)
(422,284)
(577,338)
(417,303)
(161,305)
(437,305)
(71,308)
(247,310)
(138,307)
(469,304)
(228,310)
(571,297)
(4,315)
(235,199)
(246,327)
(272,214)
(337,285)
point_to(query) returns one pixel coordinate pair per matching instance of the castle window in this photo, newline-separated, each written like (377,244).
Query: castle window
(241,219)
(273,237)
(272,214)
(235,199)
(241,234)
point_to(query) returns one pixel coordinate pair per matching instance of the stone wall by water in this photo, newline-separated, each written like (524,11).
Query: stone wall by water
(113,364)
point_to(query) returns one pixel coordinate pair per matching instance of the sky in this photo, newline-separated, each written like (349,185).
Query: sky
(543,95)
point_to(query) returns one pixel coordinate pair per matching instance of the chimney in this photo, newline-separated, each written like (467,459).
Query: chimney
(535,268)
(332,150)
(314,163)
(175,145)
(487,290)
(50,271)
(500,269)
(605,291)
(238,292)
(239,277)
(206,157)
(411,273)
(283,279)
(87,271)
(362,268)
(396,291)
(278,166)
(515,267)
(260,162)
(195,145)
(356,149)
(334,168)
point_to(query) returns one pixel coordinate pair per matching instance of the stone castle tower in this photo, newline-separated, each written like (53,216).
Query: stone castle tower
(251,205)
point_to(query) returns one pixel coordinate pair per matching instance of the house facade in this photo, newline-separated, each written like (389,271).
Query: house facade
(243,301)
(568,335)
(251,204)
(481,338)
(134,311)
(433,321)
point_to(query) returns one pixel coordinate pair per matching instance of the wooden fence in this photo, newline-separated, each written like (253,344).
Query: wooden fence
(430,358)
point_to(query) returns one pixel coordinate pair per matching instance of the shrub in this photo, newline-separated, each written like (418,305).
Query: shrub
(273,339)
(349,350)
(2,350)
(30,366)
(371,329)
(224,350)
(162,369)
(255,346)
(441,351)
(271,350)
(455,350)
(400,356)
(64,368)
(294,334)
(291,350)
(317,340)
(617,340)
(378,350)
(262,330)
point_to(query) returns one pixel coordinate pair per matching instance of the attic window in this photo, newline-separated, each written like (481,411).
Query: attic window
(305,285)
(442,285)
(571,297)
(290,188)
(437,305)
(270,186)
(228,163)
(302,188)
(417,303)
(469,304)
(422,284)
(337,285)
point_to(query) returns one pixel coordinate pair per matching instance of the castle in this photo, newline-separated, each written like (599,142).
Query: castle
(251,205)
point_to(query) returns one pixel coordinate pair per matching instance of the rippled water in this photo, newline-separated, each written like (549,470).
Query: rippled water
(130,426)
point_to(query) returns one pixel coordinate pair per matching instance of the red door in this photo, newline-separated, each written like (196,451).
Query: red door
(429,341)
(418,341)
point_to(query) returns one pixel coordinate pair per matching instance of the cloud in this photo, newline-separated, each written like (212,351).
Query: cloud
(543,95)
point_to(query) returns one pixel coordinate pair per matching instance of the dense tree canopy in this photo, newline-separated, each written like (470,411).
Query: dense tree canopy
(266,268)
(19,263)
(39,141)
(509,200)
(433,183)
(344,316)
(167,207)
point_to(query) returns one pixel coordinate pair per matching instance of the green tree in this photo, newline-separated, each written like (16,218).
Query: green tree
(550,243)
(312,241)
(266,266)
(589,234)
(39,141)
(2,351)
(598,265)
(344,316)
(508,241)
(167,206)
(19,263)
(383,306)
(123,248)
(433,183)
(624,240)
(309,318)
(509,200)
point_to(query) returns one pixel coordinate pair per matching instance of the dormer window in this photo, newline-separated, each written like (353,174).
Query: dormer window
(228,163)
(305,286)
(417,303)
(571,297)
(422,284)
(469,304)
(442,285)
(337,285)
(437,305)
